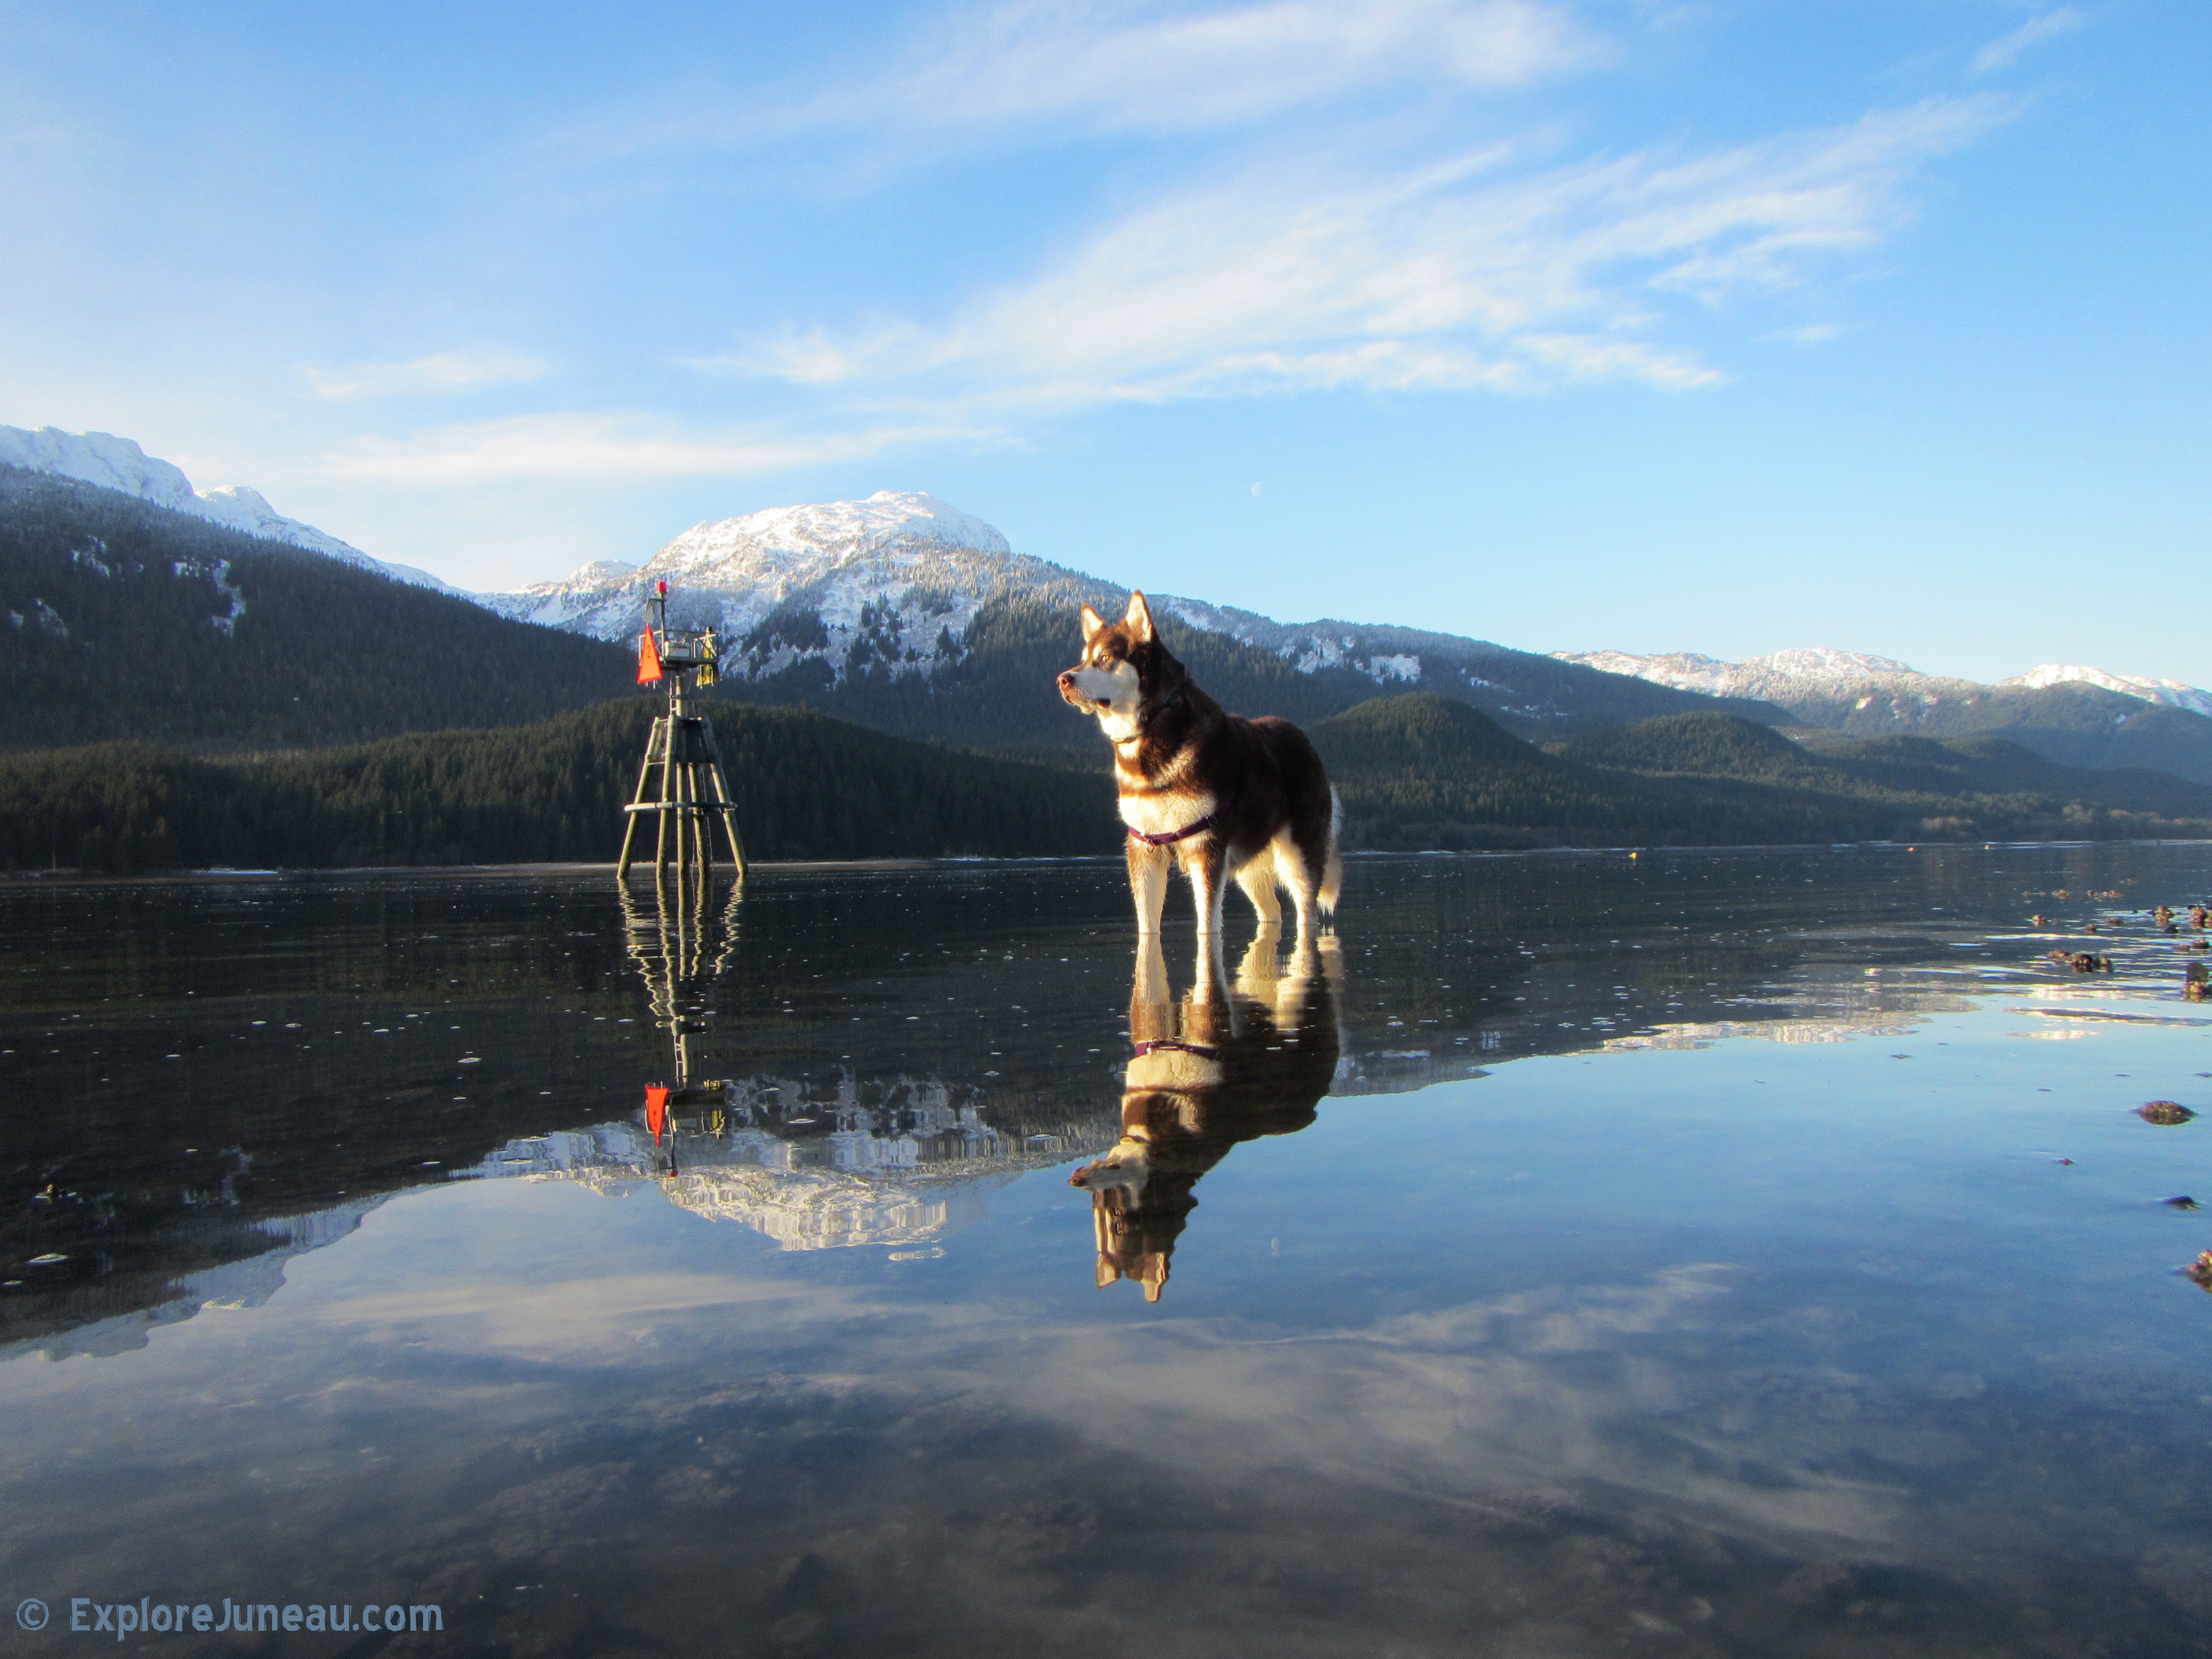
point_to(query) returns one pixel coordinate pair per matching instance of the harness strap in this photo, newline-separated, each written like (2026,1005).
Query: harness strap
(1169,837)
(1176,1047)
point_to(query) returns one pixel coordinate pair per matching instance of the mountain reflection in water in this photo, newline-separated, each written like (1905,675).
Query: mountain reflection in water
(201,1074)
(1551,1271)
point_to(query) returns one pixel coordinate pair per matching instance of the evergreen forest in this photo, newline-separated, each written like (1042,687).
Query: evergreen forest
(1418,771)
(807,786)
(123,620)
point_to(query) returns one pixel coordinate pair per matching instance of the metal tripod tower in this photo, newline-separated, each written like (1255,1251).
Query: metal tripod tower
(691,791)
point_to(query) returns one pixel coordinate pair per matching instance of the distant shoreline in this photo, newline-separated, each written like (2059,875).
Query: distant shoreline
(783,866)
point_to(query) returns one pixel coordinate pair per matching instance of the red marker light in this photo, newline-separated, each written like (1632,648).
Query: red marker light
(663,585)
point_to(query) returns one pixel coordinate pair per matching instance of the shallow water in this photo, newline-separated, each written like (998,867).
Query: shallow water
(1735,1252)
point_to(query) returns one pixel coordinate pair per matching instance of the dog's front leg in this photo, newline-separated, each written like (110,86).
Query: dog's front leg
(1205,862)
(1148,884)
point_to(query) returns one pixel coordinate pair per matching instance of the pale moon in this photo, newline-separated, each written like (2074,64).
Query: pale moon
(1255,488)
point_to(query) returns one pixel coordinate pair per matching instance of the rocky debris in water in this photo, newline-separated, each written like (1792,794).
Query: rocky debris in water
(2201,1270)
(2081,962)
(2184,1202)
(2167,1112)
(2040,920)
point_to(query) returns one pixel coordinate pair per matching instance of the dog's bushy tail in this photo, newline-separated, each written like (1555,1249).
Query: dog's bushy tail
(1332,875)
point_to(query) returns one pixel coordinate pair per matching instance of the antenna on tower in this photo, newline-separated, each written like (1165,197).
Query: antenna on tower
(680,783)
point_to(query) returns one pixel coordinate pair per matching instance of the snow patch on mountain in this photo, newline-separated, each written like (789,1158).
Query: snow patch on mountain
(1832,681)
(2173,694)
(889,584)
(1777,677)
(118,463)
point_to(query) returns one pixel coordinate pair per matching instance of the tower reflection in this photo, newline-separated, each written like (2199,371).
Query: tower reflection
(680,942)
(1225,1065)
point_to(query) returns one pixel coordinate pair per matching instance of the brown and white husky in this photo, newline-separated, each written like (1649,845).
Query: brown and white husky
(1223,796)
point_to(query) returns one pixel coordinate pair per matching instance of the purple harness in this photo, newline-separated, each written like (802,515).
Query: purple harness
(1173,1045)
(1172,836)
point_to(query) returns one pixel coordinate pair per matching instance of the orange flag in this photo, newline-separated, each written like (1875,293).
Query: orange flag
(648,658)
(656,1108)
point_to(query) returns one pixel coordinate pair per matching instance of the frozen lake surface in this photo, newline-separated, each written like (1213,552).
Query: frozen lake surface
(1739,1253)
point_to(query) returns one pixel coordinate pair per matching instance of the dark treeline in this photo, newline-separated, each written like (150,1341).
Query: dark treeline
(807,786)
(1426,771)
(1421,770)
(122,619)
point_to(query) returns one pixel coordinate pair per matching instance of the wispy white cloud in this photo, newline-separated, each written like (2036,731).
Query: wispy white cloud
(440,372)
(1463,275)
(1349,258)
(1127,68)
(2000,52)
(612,447)
(1062,68)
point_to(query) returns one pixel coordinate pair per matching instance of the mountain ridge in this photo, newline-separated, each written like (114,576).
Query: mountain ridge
(1806,672)
(829,604)
(2070,716)
(905,612)
(107,462)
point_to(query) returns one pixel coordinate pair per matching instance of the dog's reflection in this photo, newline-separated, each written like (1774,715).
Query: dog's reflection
(1223,1066)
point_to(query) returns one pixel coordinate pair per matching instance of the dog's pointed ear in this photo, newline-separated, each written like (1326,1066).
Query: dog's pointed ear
(1139,619)
(1092,622)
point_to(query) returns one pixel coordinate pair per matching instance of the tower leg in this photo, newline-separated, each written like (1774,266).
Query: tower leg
(702,848)
(676,820)
(729,817)
(661,834)
(636,799)
(701,855)
(690,837)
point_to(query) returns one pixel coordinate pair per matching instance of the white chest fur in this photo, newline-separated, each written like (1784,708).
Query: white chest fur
(1161,815)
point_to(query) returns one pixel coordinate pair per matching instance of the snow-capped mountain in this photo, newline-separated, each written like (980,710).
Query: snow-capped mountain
(113,463)
(1783,675)
(1821,676)
(890,585)
(898,577)
(2173,694)
(1383,654)
(894,580)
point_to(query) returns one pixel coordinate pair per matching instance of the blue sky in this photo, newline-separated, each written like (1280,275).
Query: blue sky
(1719,327)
